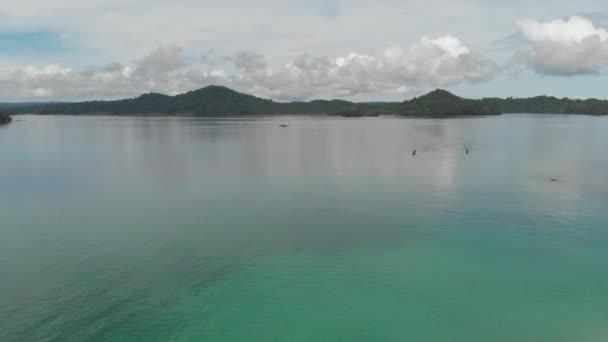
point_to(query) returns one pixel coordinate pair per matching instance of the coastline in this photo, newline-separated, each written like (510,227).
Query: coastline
(278,115)
(217,101)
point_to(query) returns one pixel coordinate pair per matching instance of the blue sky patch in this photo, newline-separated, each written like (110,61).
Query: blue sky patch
(17,44)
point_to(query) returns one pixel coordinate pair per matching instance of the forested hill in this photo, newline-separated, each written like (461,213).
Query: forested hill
(208,101)
(222,101)
(548,105)
(443,103)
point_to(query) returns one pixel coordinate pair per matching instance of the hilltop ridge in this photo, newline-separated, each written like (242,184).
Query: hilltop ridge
(443,103)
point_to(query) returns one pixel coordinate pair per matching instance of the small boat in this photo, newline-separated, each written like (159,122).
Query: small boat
(283,125)
(5,119)
(414,152)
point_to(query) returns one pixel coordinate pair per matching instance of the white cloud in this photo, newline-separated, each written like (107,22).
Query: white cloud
(564,47)
(248,61)
(162,61)
(428,63)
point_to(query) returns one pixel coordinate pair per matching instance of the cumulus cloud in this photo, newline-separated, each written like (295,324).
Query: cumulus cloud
(248,61)
(163,61)
(564,47)
(159,71)
(429,63)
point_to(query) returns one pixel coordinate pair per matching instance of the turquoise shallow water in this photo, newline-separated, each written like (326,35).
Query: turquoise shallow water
(177,229)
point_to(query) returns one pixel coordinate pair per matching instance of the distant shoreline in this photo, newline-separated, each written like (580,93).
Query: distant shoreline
(315,115)
(216,101)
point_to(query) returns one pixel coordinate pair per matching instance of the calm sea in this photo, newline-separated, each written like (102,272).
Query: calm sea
(182,229)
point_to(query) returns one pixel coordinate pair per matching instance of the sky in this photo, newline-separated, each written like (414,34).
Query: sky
(361,50)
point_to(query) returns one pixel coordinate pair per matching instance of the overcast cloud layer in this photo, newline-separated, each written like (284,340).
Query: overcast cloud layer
(288,49)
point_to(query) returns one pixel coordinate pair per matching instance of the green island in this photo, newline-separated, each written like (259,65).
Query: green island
(5,119)
(221,101)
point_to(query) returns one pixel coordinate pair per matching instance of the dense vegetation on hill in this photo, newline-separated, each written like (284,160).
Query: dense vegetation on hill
(548,105)
(206,101)
(209,101)
(443,103)
(5,119)
(221,101)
